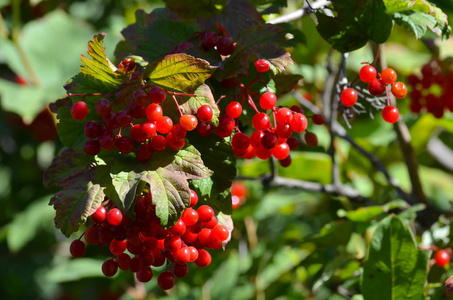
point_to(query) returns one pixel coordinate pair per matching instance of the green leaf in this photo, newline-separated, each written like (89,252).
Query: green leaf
(74,270)
(166,173)
(78,200)
(395,268)
(365,214)
(154,35)
(69,164)
(179,72)
(418,15)
(27,223)
(50,43)
(285,83)
(218,156)
(333,234)
(259,42)
(355,24)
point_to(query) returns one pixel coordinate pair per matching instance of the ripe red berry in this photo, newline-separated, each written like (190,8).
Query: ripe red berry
(348,97)
(205,213)
(117,247)
(284,115)
(189,216)
(376,87)
(399,90)
(225,46)
(144,153)
(77,248)
(281,151)
(193,198)
(205,128)
(154,112)
(109,268)
(318,119)
(298,123)
(114,217)
(388,76)
(390,114)
(209,40)
(233,109)
(180,271)
(99,215)
(188,122)
(103,107)
(286,162)
(156,95)
(145,274)
(311,139)
(205,113)
(220,232)
(442,258)
(268,100)
(140,98)
(261,65)
(92,129)
(166,280)
(125,144)
(158,143)
(225,127)
(204,258)
(293,143)
(79,110)
(261,121)
(123,118)
(240,140)
(92,147)
(367,73)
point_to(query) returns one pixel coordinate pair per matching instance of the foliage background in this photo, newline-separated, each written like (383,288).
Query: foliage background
(287,244)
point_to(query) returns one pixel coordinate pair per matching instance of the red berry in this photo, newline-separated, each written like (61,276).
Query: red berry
(311,139)
(399,90)
(220,232)
(442,258)
(261,65)
(182,255)
(140,98)
(148,129)
(124,261)
(204,258)
(114,217)
(348,97)
(205,113)
(109,268)
(367,73)
(188,122)
(79,110)
(376,87)
(92,129)
(233,109)
(286,162)
(240,140)
(107,140)
(193,198)
(125,144)
(390,114)
(92,147)
(117,247)
(123,118)
(156,95)
(189,216)
(205,213)
(166,280)
(281,151)
(388,76)
(154,112)
(144,153)
(261,121)
(299,122)
(225,127)
(209,40)
(77,248)
(103,107)
(225,46)
(145,274)
(99,215)
(180,271)
(318,119)
(268,100)
(284,115)
(158,143)
(293,143)
(269,140)
(173,143)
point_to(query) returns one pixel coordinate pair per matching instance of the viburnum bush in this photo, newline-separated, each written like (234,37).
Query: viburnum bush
(307,128)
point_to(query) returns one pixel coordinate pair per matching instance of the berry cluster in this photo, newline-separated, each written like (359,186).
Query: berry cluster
(377,85)
(432,90)
(137,245)
(141,126)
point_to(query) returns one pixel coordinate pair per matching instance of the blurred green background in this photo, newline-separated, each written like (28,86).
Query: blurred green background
(287,244)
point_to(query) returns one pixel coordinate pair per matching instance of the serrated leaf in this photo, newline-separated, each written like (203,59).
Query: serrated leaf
(166,173)
(394,6)
(155,34)
(355,24)
(259,42)
(395,268)
(179,72)
(218,156)
(70,163)
(97,73)
(77,201)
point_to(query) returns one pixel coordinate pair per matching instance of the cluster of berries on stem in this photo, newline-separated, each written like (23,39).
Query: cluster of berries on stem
(140,244)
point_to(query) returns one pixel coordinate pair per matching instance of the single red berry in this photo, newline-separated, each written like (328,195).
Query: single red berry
(166,280)
(269,140)
(293,143)
(124,261)
(281,151)
(123,118)
(399,90)
(117,247)
(154,112)
(390,114)
(188,122)
(157,95)
(261,121)
(367,73)
(144,153)
(348,97)
(79,110)
(233,109)
(299,122)
(226,126)
(107,140)
(318,119)
(109,268)
(311,139)
(145,274)
(148,129)
(240,140)
(225,46)
(182,255)
(261,65)
(173,143)
(376,87)
(125,144)
(442,258)
(284,115)
(100,215)
(180,271)
(268,100)
(286,162)
(92,147)
(388,76)
(193,198)
(205,213)
(158,143)
(103,107)
(92,129)
(140,98)
(77,248)
(205,113)
(209,40)
(114,217)
(204,258)
(297,109)
(220,232)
